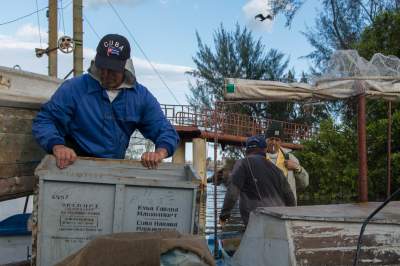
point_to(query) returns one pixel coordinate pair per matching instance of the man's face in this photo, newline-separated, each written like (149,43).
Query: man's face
(273,145)
(111,79)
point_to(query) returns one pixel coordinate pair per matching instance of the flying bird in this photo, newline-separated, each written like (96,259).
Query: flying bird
(261,17)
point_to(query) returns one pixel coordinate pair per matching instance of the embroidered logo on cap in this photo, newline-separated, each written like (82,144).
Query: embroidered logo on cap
(112,50)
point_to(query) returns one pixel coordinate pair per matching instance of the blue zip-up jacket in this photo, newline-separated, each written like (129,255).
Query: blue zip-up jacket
(81,110)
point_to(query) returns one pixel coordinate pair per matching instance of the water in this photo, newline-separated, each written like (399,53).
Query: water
(233,226)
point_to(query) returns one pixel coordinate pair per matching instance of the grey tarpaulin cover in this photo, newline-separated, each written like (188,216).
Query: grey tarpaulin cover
(380,78)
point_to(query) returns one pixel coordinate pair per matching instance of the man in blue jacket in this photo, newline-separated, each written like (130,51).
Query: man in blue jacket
(95,114)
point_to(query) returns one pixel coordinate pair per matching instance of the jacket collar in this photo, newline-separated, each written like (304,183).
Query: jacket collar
(129,75)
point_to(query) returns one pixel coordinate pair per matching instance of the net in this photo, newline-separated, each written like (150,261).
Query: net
(348,63)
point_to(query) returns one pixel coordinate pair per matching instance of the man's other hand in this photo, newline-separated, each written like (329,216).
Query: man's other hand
(291,165)
(64,156)
(151,160)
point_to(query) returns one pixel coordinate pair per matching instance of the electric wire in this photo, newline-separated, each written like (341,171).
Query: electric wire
(91,26)
(38,21)
(30,14)
(62,15)
(67,5)
(22,17)
(142,51)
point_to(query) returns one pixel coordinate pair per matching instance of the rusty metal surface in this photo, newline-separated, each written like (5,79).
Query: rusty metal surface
(362,150)
(389,151)
(357,212)
(230,124)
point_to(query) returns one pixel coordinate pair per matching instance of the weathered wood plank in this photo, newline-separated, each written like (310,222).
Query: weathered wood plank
(19,148)
(15,187)
(334,243)
(8,169)
(20,263)
(346,256)
(14,120)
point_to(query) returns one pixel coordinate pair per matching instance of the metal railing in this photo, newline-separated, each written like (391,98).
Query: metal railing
(229,123)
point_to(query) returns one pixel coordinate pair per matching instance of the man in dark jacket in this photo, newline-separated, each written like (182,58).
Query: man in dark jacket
(258,182)
(95,114)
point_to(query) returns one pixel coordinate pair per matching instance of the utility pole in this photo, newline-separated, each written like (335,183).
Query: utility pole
(78,37)
(52,16)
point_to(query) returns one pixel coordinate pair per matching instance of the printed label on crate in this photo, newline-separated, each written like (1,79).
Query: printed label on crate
(76,216)
(79,217)
(156,218)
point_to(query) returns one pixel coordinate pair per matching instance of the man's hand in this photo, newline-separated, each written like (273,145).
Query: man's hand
(222,222)
(292,165)
(151,160)
(64,156)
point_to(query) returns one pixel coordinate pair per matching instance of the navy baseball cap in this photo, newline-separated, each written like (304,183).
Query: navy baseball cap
(256,142)
(275,130)
(112,52)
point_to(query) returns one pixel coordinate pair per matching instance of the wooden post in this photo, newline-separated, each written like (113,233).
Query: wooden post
(52,15)
(78,37)
(179,155)
(200,158)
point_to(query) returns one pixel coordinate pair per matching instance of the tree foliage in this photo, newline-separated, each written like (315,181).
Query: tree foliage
(338,24)
(331,161)
(236,54)
(381,36)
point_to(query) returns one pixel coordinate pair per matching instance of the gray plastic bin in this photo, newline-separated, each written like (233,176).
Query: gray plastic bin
(101,196)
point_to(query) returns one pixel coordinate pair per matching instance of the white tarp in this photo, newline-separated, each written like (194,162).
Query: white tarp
(347,74)
(387,88)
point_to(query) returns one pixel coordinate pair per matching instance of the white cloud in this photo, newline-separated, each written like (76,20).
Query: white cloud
(20,50)
(255,7)
(31,32)
(143,64)
(9,42)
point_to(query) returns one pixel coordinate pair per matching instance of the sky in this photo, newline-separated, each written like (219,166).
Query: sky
(164,29)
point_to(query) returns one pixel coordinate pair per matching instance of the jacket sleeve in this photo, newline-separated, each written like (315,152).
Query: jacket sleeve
(233,191)
(231,196)
(51,123)
(287,193)
(301,177)
(156,127)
